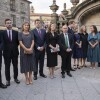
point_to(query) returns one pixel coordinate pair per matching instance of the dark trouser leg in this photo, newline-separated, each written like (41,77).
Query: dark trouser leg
(0,65)
(15,66)
(68,62)
(7,68)
(63,67)
(37,60)
(41,62)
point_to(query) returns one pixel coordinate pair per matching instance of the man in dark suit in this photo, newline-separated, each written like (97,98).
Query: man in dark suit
(1,47)
(39,39)
(66,45)
(71,26)
(10,51)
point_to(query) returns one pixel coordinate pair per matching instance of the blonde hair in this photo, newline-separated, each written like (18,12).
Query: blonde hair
(24,24)
(81,30)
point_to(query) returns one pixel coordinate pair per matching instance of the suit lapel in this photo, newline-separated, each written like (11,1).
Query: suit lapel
(6,34)
(12,35)
(63,38)
(69,36)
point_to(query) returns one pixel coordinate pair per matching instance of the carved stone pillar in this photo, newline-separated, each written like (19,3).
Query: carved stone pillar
(54,15)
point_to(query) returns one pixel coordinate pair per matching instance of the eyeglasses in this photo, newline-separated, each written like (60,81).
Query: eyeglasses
(8,23)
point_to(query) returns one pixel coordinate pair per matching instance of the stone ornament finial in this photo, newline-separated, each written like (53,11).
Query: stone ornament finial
(65,12)
(74,2)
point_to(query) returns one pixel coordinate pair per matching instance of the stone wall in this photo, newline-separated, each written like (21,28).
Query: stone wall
(5,11)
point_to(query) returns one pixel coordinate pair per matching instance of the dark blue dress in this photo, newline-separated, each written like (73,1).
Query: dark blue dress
(77,52)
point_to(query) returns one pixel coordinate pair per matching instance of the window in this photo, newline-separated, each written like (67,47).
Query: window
(22,19)
(13,18)
(23,8)
(12,5)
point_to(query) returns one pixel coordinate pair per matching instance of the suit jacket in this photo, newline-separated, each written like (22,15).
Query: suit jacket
(39,41)
(50,39)
(71,32)
(10,47)
(63,45)
(1,41)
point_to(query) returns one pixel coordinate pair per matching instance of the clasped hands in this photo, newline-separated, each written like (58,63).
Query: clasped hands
(93,46)
(68,50)
(55,49)
(40,48)
(28,51)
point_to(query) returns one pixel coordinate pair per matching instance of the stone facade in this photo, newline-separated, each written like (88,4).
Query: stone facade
(46,18)
(86,12)
(17,10)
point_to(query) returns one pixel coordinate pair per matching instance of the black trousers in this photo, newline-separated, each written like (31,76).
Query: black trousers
(8,61)
(66,63)
(0,65)
(39,61)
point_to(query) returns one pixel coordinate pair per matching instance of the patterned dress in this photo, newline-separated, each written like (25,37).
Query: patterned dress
(27,61)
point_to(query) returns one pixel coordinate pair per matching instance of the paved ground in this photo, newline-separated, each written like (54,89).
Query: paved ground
(84,85)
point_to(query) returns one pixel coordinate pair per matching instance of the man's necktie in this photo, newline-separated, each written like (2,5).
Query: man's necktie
(39,32)
(66,40)
(10,35)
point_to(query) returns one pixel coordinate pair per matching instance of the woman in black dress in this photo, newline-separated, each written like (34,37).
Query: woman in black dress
(84,37)
(52,48)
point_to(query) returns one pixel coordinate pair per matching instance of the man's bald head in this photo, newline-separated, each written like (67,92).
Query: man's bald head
(65,28)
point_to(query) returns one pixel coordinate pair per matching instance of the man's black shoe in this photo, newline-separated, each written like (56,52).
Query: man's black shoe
(8,83)
(42,75)
(2,86)
(35,77)
(63,75)
(17,81)
(69,74)
(72,69)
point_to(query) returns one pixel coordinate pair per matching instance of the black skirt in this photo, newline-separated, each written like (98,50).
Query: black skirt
(51,59)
